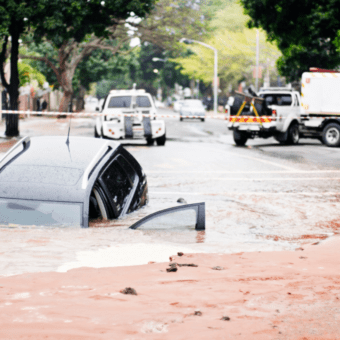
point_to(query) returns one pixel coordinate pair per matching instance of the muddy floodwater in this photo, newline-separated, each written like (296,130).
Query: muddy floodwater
(262,197)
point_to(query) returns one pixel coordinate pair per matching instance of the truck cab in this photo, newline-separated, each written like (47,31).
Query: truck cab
(130,114)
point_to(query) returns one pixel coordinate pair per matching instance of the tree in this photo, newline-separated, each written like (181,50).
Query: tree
(304,30)
(67,24)
(12,24)
(236,47)
(164,25)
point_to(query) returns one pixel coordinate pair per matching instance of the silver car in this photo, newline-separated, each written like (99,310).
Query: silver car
(192,108)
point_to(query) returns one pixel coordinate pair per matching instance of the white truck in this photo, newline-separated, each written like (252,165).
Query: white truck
(130,114)
(320,106)
(277,115)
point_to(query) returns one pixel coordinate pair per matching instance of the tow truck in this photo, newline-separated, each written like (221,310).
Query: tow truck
(130,114)
(274,112)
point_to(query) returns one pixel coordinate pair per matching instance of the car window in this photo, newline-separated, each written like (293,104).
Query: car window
(39,213)
(122,101)
(128,168)
(118,184)
(187,216)
(284,100)
(143,101)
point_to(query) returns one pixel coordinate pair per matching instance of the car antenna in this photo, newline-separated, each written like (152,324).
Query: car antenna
(68,138)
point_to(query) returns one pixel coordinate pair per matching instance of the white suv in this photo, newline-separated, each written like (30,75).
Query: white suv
(117,124)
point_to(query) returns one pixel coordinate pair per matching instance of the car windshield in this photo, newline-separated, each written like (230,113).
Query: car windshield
(277,99)
(193,103)
(118,102)
(39,213)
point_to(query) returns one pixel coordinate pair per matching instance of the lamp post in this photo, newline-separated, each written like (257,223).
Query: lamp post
(190,41)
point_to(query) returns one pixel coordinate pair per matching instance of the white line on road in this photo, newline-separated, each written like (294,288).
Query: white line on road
(238,193)
(263,161)
(244,172)
(260,179)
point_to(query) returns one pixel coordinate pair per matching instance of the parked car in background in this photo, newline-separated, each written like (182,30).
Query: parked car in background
(116,122)
(192,109)
(100,105)
(91,104)
(46,181)
(177,105)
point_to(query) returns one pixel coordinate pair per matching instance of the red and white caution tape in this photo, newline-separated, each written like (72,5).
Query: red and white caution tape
(98,114)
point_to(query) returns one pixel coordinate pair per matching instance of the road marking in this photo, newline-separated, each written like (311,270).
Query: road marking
(244,172)
(261,179)
(263,161)
(238,193)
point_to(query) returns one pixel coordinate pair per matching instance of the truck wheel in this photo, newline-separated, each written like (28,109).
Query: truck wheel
(96,135)
(240,137)
(180,119)
(331,135)
(150,141)
(202,119)
(161,140)
(293,134)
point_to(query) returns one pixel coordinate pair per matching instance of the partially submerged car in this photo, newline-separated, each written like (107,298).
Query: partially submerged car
(48,181)
(192,108)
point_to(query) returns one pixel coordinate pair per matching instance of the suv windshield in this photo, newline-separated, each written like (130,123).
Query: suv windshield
(143,101)
(118,102)
(39,213)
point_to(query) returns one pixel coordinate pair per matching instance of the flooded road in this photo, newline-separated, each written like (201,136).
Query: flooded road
(260,197)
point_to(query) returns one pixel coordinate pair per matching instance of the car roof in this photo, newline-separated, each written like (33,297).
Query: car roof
(50,169)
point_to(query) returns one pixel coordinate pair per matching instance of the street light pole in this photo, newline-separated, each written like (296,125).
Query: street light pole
(189,41)
(257,60)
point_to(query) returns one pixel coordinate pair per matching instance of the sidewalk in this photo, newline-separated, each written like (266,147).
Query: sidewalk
(264,295)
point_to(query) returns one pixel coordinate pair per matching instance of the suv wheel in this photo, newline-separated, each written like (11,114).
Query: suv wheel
(150,141)
(293,134)
(161,140)
(240,137)
(331,135)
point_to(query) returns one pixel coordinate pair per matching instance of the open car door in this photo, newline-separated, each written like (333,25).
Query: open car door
(184,216)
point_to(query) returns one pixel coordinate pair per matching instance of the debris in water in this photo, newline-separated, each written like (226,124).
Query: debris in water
(180,253)
(316,243)
(198,312)
(171,269)
(173,265)
(225,318)
(181,200)
(299,248)
(303,257)
(218,268)
(129,290)
(186,265)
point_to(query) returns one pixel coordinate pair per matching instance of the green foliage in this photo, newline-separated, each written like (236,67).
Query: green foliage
(306,32)
(27,73)
(236,46)
(66,20)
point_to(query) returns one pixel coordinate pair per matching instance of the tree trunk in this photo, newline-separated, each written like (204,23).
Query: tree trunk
(65,101)
(12,120)
(80,99)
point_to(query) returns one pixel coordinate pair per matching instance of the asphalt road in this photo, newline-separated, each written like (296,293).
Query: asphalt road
(260,197)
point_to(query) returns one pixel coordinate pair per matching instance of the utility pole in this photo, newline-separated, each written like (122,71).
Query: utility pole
(190,41)
(257,60)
